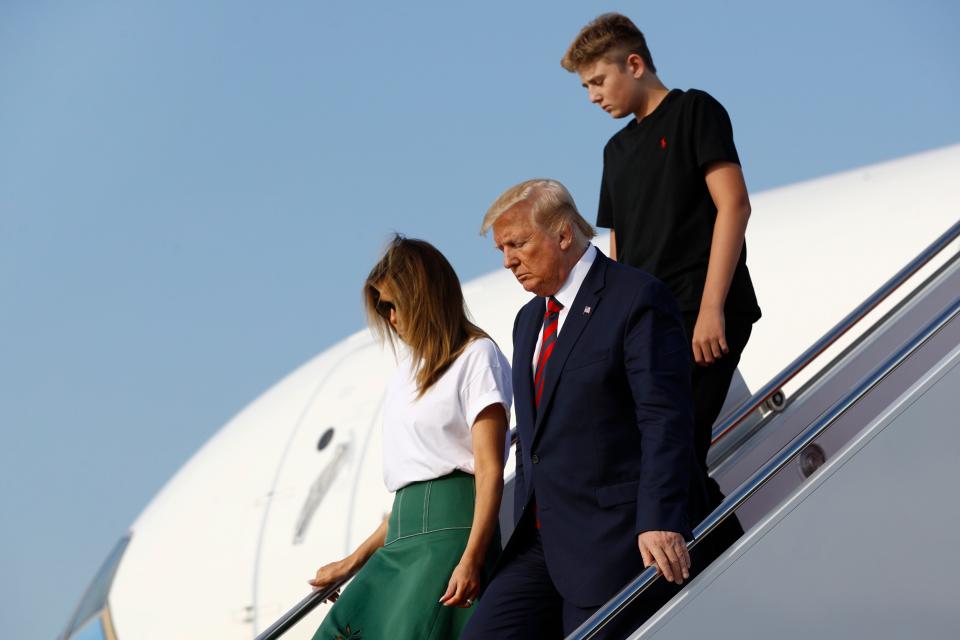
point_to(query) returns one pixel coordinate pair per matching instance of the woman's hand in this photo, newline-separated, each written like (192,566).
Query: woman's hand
(489,434)
(330,574)
(340,571)
(464,585)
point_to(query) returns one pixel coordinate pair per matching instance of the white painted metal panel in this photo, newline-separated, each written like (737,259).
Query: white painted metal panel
(865,549)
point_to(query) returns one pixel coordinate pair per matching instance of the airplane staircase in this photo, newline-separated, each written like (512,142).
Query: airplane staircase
(840,473)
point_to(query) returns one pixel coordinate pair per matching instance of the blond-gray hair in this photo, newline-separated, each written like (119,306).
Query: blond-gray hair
(550,204)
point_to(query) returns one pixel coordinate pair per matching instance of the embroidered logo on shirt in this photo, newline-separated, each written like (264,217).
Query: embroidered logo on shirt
(663,142)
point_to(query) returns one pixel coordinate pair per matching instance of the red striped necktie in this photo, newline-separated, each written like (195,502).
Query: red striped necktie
(551,324)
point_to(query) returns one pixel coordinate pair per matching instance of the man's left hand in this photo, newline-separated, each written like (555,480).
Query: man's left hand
(668,551)
(709,337)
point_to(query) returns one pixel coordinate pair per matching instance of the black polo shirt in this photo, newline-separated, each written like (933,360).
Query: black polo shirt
(654,196)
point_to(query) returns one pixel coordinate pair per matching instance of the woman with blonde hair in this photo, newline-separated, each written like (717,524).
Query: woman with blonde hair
(444,440)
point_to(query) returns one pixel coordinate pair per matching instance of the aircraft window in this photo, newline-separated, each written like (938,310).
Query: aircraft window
(325,439)
(95,597)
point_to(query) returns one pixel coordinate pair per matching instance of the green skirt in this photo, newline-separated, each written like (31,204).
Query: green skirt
(395,596)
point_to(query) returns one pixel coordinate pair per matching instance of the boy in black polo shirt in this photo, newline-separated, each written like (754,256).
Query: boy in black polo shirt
(674,198)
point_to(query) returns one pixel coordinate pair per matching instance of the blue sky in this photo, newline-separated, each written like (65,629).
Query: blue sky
(191,194)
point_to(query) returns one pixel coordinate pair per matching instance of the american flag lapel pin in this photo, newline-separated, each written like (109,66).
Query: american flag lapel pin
(586,311)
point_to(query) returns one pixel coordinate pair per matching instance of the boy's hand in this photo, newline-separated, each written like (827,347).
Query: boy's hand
(709,337)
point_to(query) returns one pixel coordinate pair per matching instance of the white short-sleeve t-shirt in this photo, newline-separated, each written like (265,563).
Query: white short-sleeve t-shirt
(430,436)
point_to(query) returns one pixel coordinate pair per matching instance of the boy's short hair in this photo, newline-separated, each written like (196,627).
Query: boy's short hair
(612,37)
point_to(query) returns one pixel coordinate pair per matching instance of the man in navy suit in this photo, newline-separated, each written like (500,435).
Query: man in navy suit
(605,460)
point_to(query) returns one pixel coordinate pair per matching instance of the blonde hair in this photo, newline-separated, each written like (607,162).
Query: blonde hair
(550,205)
(612,37)
(429,300)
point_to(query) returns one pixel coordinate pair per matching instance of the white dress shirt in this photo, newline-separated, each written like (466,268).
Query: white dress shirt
(567,294)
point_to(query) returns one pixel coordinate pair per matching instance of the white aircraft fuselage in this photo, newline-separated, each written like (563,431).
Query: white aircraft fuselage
(294,480)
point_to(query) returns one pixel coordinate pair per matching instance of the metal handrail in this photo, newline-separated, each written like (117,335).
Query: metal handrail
(834,334)
(743,411)
(840,357)
(298,612)
(773,466)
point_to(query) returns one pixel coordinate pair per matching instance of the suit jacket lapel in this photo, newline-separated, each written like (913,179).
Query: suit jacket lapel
(573,325)
(527,333)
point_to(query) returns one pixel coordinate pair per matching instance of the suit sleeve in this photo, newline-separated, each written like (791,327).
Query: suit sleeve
(658,370)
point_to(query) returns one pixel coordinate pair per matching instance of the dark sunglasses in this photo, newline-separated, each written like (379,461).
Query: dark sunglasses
(384,308)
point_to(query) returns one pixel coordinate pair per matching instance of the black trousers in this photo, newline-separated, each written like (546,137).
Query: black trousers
(522,603)
(710,387)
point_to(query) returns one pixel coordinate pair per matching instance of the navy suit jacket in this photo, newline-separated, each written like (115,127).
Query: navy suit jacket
(610,451)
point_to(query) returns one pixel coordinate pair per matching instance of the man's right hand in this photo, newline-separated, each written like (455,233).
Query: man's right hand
(666,550)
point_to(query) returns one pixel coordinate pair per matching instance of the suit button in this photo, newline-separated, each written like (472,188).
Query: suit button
(535,459)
